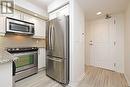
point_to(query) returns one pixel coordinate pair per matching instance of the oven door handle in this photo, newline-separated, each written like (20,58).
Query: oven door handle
(27,53)
(14,68)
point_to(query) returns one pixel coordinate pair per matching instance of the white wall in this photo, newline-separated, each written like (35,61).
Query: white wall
(127,45)
(87,39)
(117,36)
(27,5)
(77,56)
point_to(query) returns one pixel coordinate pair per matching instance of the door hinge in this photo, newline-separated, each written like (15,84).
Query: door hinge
(114,43)
(114,64)
(114,21)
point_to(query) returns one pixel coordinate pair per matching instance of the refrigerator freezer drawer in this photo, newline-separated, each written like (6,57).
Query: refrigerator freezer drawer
(56,69)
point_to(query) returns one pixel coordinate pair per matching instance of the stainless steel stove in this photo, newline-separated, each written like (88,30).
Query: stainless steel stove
(27,62)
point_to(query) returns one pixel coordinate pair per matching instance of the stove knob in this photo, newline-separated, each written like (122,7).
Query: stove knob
(13,49)
(8,49)
(17,49)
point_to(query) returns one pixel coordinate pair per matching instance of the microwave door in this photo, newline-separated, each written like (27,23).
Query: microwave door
(15,26)
(19,27)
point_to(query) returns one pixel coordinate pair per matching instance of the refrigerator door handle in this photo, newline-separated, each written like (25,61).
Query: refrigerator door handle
(52,37)
(57,60)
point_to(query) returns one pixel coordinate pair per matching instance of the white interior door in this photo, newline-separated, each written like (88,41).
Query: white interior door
(101,43)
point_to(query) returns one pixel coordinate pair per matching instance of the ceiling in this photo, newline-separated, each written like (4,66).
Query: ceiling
(41,3)
(91,7)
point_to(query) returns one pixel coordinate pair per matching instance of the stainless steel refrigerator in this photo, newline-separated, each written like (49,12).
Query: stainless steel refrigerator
(57,49)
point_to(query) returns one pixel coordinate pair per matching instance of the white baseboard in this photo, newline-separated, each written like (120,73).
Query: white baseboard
(41,69)
(127,80)
(75,84)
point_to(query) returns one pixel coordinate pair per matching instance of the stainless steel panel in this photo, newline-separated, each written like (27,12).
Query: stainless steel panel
(35,58)
(59,37)
(56,69)
(25,67)
(48,38)
(57,48)
(25,53)
(27,70)
(26,73)
(19,26)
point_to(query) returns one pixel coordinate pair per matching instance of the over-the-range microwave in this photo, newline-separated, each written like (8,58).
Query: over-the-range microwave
(19,27)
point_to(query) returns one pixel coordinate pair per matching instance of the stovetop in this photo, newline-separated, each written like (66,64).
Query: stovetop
(22,49)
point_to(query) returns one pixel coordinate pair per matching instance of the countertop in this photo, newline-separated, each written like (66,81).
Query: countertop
(5,56)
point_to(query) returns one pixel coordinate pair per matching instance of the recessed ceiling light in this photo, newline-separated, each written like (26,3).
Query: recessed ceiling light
(99,13)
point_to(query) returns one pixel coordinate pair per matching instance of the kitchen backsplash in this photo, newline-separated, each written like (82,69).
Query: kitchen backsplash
(20,41)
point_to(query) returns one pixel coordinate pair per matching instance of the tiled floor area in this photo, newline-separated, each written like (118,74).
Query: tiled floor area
(95,77)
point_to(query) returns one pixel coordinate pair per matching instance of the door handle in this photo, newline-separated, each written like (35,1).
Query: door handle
(49,36)
(90,44)
(52,37)
(57,60)
(14,68)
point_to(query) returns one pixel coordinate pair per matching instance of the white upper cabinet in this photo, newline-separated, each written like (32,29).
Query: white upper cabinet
(29,18)
(40,27)
(39,24)
(15,15)
(2,25)
(60,12)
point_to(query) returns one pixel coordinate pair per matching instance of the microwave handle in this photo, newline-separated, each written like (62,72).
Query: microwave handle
(32,29)
(27,53)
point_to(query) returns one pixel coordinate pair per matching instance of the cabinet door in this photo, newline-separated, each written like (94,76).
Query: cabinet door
(15,15)
(63,11)
(40,26)
(29,18)
(52,15)
(60,12)
(41,58)
(2,25)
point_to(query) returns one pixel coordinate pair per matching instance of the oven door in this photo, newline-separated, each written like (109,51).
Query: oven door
(26,60)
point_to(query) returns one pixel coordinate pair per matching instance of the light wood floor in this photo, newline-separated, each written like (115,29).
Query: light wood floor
(95,77)
(38,80)
(98,77)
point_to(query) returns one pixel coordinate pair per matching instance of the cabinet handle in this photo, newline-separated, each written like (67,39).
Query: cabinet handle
(38,51)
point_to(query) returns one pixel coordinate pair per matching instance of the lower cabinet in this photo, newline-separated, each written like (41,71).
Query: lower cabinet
(2,26)
(41,58)
(6,79)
